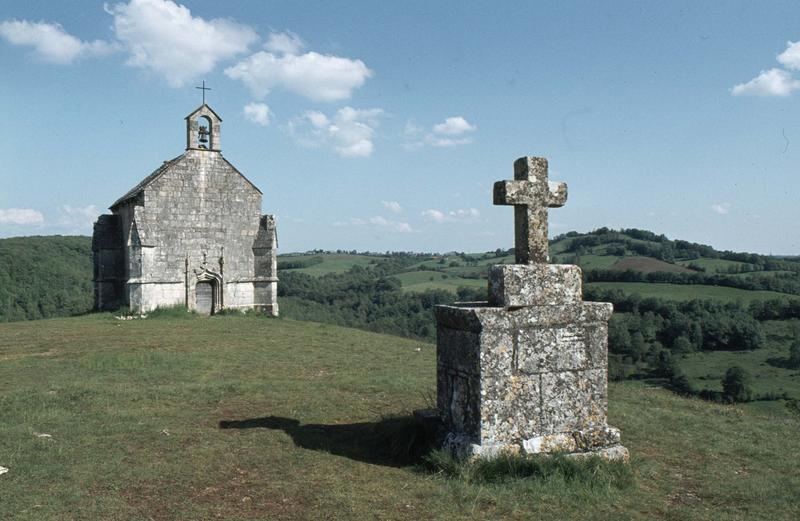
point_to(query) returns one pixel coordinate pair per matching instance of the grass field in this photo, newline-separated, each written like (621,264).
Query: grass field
(689,291)
(706,369)
(133,410)
(714,265)
(588,261)
(425,280)
(332,263)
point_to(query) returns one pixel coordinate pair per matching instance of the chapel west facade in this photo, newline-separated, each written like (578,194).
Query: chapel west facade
(189,234)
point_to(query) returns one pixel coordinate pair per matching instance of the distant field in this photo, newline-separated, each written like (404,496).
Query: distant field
(425,280)
(706,369)
(714,265)
(597,262)
(587,261)
(690,291)
(332,263)
(648,265)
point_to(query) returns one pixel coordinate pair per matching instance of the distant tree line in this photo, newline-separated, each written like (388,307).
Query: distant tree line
(299,262)
(780,282)
(649,244)
(768,309)
(647,336)
(363,297)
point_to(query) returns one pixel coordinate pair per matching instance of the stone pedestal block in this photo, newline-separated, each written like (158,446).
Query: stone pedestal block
(530,380)
(516,285)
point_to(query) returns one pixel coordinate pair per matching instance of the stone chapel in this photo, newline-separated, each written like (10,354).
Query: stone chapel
(189,234)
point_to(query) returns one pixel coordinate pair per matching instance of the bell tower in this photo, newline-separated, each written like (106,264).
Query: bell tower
(202,129)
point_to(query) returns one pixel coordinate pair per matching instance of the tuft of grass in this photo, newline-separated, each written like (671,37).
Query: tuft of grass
(592,471)
(177,311)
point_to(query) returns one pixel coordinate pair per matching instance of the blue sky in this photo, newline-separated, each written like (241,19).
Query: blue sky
(383,125)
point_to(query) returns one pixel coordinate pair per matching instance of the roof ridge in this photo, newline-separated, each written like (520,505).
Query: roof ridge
(146,181)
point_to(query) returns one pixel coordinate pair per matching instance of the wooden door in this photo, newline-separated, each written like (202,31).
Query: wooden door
(204,298)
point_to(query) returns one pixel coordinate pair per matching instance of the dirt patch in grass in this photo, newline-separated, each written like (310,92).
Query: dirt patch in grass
(242,494)
(16,356)
(647,265)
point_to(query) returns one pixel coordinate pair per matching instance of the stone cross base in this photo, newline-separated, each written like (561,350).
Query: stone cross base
(527,380)
(517,285)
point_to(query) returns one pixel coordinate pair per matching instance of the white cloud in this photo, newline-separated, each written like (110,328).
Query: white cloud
(721,208)
(774,82)
(318,119)
(434,215)
(51,42)
(164,36)
(284,43)
(452,131)
(412,130)
(460,215)
(454,126)
(436,141)
(76,218)
(376,222)
(21,216)
(312,75)
(392,206)
(349,132)
(790,58)
(258,113)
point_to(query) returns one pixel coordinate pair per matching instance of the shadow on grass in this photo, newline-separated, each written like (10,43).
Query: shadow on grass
(395,441)
(783,363)
(404,441)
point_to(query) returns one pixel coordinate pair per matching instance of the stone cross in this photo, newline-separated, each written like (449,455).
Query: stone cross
(531,194)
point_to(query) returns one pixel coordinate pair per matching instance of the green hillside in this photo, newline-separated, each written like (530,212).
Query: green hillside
(663,332)
(241,417)
(604,255)
(51,276)
(44,277)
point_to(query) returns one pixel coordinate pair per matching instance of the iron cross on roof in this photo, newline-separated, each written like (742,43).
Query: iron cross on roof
(532,194)
(204,89)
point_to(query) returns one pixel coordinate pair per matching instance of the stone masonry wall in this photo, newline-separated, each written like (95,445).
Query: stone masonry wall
(199,216)
(523,378)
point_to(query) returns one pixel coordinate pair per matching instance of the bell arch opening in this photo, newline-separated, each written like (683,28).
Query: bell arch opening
(205,136)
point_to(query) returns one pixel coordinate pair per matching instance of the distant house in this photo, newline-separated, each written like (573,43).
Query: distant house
(189,234)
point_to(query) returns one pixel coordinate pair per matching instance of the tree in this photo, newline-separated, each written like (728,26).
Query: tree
(736,385)
(638,346)
(665,364)
(794,355)
(619,339)
(682,345)
(679,383)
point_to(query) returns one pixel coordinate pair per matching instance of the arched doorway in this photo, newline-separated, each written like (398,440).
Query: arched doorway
(208,293)
(204,298)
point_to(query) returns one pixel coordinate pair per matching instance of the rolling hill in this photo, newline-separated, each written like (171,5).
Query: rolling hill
(752,321)
(244,417)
